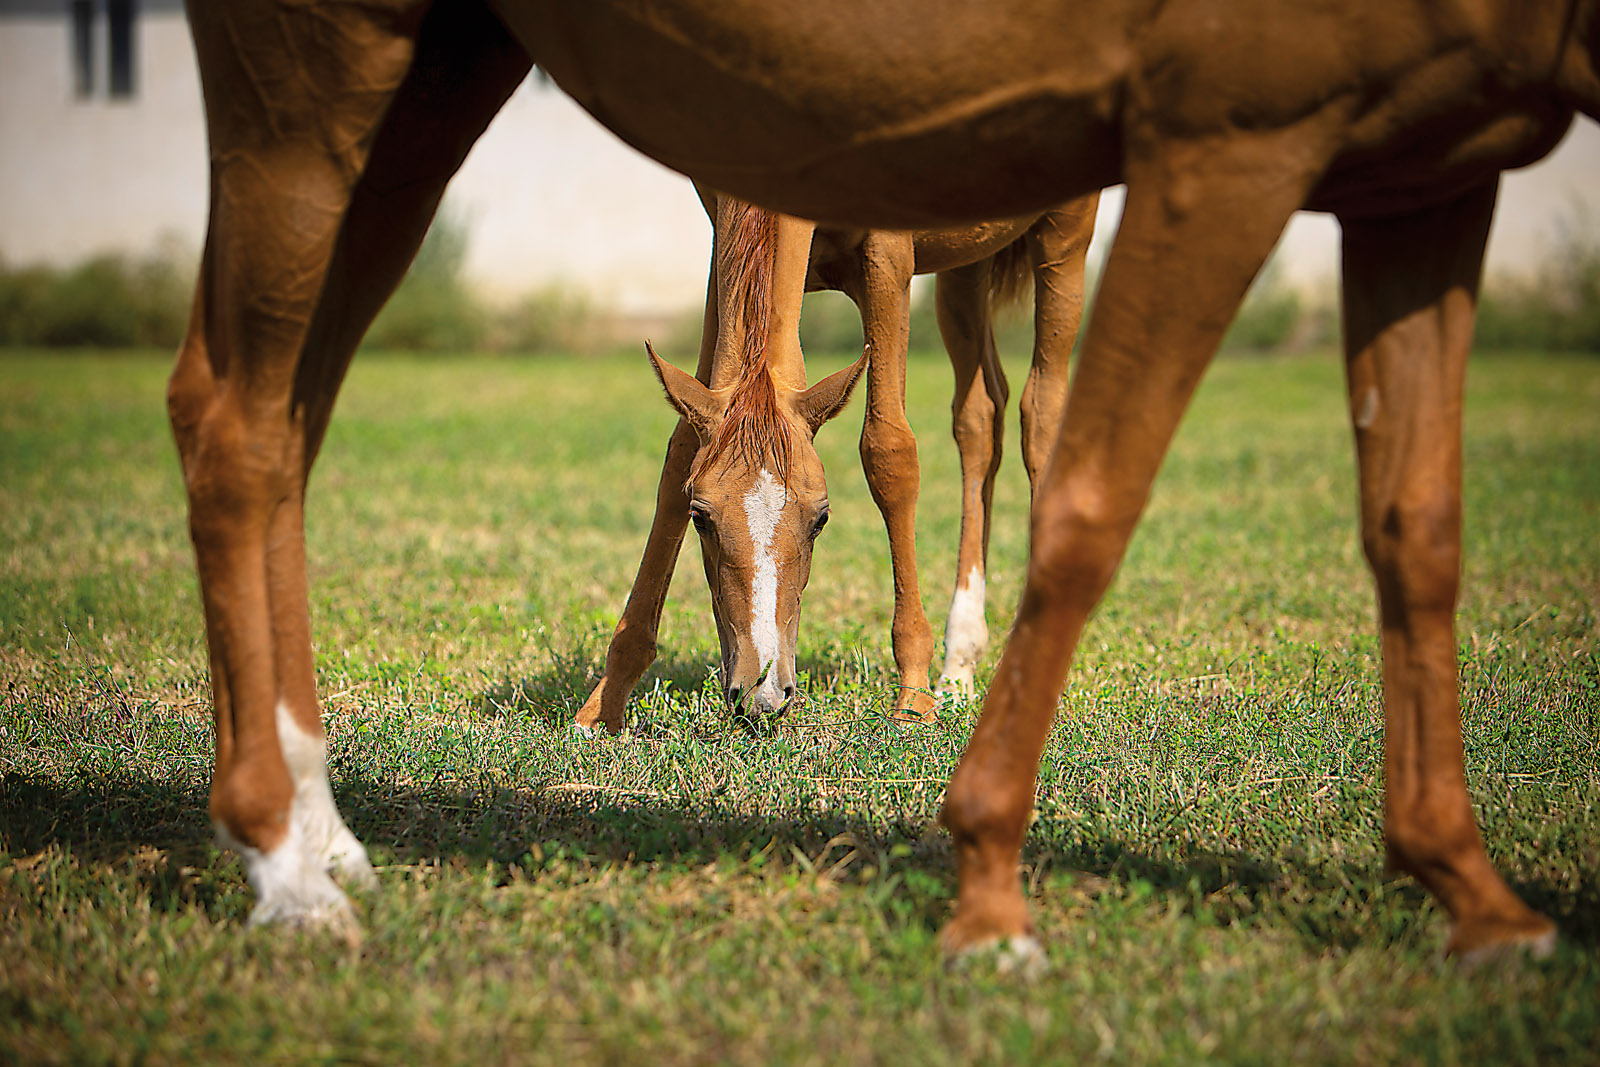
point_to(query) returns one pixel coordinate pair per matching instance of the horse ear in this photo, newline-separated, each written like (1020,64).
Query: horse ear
(828,397)
(701,405)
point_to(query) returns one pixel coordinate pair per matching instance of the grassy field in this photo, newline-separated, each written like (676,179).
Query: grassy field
(1205,867)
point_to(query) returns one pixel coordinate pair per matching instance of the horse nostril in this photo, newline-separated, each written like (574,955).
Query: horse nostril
(733,695)
(788,694)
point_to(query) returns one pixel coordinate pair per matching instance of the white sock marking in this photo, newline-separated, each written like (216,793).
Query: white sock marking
(1369,409)
(966,633)
(290,885)
(323,831)
(291,881)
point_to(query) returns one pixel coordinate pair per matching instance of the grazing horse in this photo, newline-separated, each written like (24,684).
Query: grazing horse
(334,128)
(874,268)
(756,489)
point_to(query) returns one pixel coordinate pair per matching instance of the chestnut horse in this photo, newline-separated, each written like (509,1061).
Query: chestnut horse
(974,264)
(756,489)
(333,130)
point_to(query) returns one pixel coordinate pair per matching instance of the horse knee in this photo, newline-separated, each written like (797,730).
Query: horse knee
(889,458)
(1079,533)
(972,424)
(236,469)
(191,389)
(682,446)
(1413,545)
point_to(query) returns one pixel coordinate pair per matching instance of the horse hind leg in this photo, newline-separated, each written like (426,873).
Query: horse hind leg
(889,454)
(977,423)
(310,230)
(1058,246)
(1410,288)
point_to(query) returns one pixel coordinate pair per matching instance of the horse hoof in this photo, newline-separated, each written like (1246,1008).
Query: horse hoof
(597,728)
(292,885)
(919,709)
(958,681)
(1020,956)
(355,872)
(334,924)
(342,856)
(1503,948)
(326,915)
(1001,934)
(950,697)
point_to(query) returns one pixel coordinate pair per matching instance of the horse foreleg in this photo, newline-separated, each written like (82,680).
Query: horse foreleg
(243,448)
(320,196)
(977,422)
(889,454)
(1200,220)
(1058,245)
(633,643)
(1410,290)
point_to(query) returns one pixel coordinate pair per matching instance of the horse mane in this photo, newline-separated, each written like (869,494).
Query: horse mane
(753,428)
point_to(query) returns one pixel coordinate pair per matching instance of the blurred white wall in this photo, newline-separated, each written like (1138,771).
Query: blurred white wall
(552,197)
(85,175)
(549,196)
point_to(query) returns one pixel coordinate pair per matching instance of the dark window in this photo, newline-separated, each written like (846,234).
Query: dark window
(120,40)
(83,47)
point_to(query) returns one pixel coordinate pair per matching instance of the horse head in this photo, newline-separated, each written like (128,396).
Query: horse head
(758,499)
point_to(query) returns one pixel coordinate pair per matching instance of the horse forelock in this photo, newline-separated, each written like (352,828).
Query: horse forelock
(753,427)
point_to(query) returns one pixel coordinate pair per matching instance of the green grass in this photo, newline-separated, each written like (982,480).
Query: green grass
(1205,867)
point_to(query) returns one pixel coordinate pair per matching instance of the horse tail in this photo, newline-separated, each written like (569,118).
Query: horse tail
(752,426)
(1010,272)
(748,261)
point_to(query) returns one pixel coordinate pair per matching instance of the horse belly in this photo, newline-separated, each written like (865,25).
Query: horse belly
(866,114)
(947,249)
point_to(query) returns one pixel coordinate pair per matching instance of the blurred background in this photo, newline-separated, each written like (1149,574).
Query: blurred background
(555,236)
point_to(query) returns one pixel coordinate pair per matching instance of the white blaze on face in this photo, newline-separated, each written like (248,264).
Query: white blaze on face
(762,506)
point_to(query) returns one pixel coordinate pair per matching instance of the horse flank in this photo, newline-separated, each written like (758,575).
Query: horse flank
(753,428)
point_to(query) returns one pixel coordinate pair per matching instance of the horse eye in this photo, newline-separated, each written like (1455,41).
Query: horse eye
(700,518)
(822,520)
